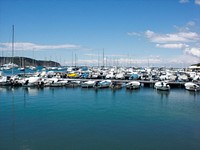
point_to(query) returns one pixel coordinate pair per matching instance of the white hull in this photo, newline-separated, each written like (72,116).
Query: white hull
(88,84)
(163,86)
(133,85)
(192,86)
(104,84)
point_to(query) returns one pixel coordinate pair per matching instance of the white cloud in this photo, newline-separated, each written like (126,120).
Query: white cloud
(172,46)
(197,2)
(93,55)
(32,46)
(141,61)
(191,23)
(133,34)
(189,36)
(150,34)
(183,59)
(183,1)
(187,27)
(177,61)
(194,51)
(177,37)
(187,1)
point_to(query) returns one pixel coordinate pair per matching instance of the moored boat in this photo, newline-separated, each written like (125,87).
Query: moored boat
(133,85)
(88,84)
(55,82)
(5,81)
(162,85)
(190,86)
(103,84)
(116,85)
(31,82)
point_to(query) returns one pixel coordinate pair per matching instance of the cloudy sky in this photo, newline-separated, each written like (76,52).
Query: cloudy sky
(130,32)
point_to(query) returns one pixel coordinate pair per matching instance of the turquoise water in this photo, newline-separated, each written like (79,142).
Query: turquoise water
(88,119)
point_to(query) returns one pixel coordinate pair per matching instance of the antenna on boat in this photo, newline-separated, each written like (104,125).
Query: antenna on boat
(13,28)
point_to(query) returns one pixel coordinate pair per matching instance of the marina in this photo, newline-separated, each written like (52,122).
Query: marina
(99,108)
(99,75)
(103,77)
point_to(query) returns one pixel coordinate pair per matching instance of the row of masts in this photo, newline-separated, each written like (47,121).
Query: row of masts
(13,34)
(75,60)
(104,61)
(74,56)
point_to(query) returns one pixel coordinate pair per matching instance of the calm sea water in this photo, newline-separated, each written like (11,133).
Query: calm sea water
(86,119)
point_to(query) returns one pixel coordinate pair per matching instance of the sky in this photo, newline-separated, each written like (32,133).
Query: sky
(128,32)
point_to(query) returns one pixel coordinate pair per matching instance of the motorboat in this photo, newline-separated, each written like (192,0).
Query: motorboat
(9,66)
(110,75)
(88,84)
(120,76)
(72,75)
(95,75)
(116,85)
(190,86)
(57,82)
(133,85)
(103,84)
(21,69)
(31,81)
(134,76)
(5,80)
(162,85)
(73,83)
(183,78)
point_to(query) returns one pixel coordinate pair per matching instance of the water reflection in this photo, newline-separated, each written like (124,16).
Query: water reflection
(193,93)
(32,91)
(24,98)
(132,90)
(13,117)
(163,94)
(7,89)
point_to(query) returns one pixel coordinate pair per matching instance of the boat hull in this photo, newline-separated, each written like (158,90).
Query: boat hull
(192,86)
(133,85)
(162,86)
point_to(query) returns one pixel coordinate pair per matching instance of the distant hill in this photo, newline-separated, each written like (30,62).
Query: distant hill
(25,61)
(196,64)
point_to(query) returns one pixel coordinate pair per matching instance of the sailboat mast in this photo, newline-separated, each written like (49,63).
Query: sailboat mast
(103,57)
(98,59)
(72,58)
(75,59)
(13,28)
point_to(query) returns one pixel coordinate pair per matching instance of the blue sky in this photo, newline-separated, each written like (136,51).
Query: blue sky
(131,32)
